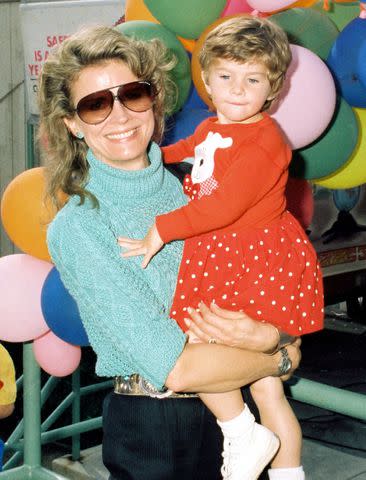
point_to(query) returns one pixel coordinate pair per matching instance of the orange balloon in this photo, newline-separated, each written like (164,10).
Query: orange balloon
(25,214)
(137,10)
(187,43)
(304,3)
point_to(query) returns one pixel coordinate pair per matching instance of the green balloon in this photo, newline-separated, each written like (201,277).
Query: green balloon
(181,74)
(340,13)
(330,151)
(308,28)
(187,18)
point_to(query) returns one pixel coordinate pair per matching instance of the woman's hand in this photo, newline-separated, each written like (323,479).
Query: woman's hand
(235,329)
(148,246)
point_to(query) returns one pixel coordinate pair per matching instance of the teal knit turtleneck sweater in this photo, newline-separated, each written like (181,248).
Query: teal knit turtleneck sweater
(124,308)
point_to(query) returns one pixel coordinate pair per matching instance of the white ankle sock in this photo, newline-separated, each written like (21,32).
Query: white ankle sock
(295,473)
(238,425)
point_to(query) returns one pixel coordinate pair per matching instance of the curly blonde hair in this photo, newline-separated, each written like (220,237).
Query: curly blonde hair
(246,38)
(67,167)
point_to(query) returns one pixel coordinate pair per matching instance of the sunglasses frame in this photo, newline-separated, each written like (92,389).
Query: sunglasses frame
(115,97)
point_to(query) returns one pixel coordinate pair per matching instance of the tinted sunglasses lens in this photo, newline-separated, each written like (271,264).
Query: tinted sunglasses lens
(96,107)
(136,96)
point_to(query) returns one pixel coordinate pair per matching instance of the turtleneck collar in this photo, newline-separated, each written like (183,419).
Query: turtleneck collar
(125,185)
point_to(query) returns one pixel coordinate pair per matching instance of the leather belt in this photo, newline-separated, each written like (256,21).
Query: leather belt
(136,385)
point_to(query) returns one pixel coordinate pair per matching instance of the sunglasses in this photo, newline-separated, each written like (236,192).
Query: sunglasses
(136,96)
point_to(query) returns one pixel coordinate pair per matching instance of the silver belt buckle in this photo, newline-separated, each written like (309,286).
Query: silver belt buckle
(149,389)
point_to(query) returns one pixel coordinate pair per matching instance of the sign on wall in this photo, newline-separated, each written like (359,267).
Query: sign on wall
(47,24)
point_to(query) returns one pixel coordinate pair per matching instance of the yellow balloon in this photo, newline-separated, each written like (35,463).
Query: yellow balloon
(353,172)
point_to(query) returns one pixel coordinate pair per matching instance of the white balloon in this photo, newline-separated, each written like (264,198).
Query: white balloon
(307,101)
(269,5)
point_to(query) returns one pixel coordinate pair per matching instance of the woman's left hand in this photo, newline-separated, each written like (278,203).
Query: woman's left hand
(235,329)
(148,246)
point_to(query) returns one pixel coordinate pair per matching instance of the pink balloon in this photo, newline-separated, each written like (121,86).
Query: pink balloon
(21,280)
(233,7)
(300,200)
(56,357)
(307,101)
(269,5)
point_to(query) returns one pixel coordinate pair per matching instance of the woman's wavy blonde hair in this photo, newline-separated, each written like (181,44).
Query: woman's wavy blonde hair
(246,38)
(67,167)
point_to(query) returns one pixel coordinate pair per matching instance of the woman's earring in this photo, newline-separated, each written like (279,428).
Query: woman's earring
(79,135)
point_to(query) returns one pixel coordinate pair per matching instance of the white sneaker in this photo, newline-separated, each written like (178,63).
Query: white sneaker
(246,456)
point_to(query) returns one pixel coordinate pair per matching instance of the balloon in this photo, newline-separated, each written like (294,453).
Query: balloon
(55,356)
(361,64)
(25,214)
(300,201)
(184,123)
(61,312)
(346,199)
(343,61)
(144,30)
(186,18)
(234,7)
(194,100)
(303,4)
(307,101)
(353,172)
(332,149)
(340,14)
(308,28)
(21,280)
(137,10)
(269,5)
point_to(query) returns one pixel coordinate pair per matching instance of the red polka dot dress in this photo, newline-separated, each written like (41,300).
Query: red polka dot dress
(243,249)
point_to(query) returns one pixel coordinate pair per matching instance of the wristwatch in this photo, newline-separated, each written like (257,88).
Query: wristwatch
(285,364)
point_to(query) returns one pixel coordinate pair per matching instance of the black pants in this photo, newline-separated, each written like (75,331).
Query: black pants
(150,439)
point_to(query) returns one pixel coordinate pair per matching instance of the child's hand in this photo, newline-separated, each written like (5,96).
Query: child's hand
(148,246)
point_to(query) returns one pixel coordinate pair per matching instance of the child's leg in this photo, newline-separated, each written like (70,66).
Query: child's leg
(248,447)
(277,415)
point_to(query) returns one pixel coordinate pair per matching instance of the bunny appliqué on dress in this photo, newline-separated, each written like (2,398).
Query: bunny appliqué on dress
(201,181)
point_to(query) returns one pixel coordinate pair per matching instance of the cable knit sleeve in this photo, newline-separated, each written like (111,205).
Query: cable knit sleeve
(126,323)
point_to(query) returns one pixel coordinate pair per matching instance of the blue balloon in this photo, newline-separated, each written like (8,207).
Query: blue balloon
(346,199)
(362,64)
(184,123)
(343,62)
(61,312)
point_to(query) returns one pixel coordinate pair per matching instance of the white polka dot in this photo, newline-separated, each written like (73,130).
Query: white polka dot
(301,294)
(229,265)
(284,309)
(251,301)
(184,309)
(273,302)
(237,252)
(233,304)
(298,240)
(260,275)
(292,322)
(188,261)
(182,297)
(247,270)
(289,255)
(224,297)
(292,297)
(305,241)
(307,264)
(214,237)
(304,314)
(236,293)
(174,313)
(180,281)
(216,268)
(261,242)
(208,247)
(193,275)
(200,263)
(227,249)
(272,278)
(269,251)
(309,287)
(219,244)
(303,254)
(300,329)
(316,291)
(282,287)
(199,244)
(205,274)
(265,230)
(259,312)
(256,257)
(234,235)
(282,239)
(280,269)
(290,274)
(211,287)
(262,292)
(256,282)
(213,255)
(312,322)
(251,247)
(195,289)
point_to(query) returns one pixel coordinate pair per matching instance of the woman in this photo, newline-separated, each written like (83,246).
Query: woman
(102,103)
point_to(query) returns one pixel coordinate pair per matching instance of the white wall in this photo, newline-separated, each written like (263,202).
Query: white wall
(12,121)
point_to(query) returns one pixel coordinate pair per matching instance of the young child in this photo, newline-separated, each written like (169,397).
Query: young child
(243,249)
